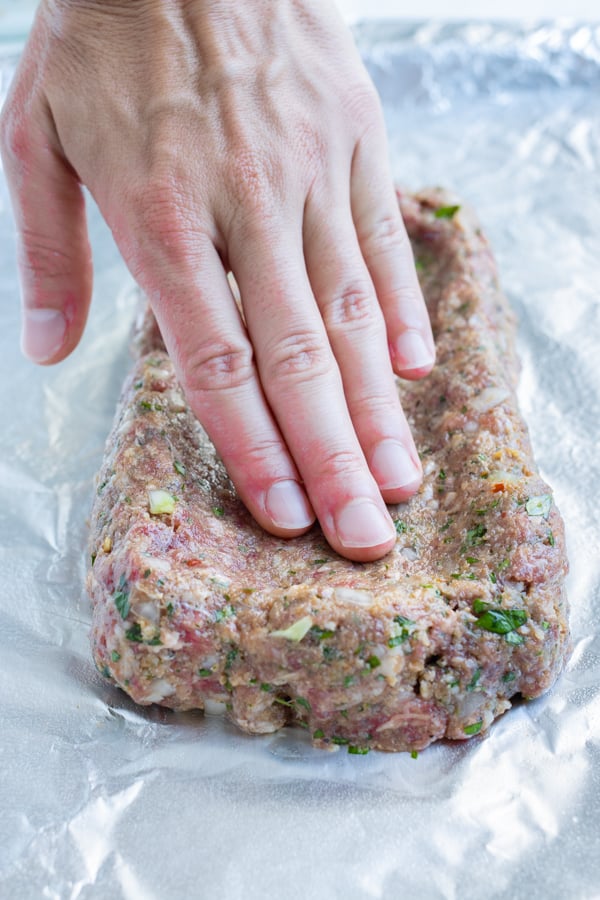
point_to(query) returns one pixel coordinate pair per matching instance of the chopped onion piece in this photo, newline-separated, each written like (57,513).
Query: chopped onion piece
(161,503)
(296,631)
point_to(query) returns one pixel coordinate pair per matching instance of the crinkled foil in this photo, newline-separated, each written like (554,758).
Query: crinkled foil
(100,798)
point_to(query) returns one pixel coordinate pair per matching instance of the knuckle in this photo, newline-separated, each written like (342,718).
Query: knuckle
(218,367)
(362,103)
(41,259)
(163,222)
(299,356)
(353,305)
(340,463)
(386,234)
(254,178)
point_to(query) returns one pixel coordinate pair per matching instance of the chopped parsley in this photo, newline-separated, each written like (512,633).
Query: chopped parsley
(134,633)
(476,535)
(318,734)
(179,467)
(115,656)
(508,676)
(226,612)
(357,751)
(322,634)
(121,597)
(474,680)
(218,511)
(302,701)
(475,728)
(373,662)
(204,673)
(503,621)
(406,627)
(446,212)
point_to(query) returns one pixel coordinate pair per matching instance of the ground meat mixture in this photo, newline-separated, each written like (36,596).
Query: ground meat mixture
(195,607)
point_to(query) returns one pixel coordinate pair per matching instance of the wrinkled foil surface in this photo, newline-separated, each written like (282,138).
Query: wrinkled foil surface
(100,798)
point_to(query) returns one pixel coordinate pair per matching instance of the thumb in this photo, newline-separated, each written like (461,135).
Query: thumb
(53,248)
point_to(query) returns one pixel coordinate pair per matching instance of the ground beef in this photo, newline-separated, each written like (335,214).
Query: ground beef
(195,607)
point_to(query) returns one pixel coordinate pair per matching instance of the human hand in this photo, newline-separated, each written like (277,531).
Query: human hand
(219,136)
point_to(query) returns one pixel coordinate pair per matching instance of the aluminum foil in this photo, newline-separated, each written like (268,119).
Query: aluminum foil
(100,798)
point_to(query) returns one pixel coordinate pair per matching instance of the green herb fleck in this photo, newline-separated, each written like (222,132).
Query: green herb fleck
(493,578)
(179,467)
(476,535)
(373,661)
(266,687)
(205,673)
(226,612)
(472,560)
(138,384)
(479,606)
(475,728)
(134,633)
(474,680)
(302,701)
(348,680)
(545,625)
(170,609)
(446,212)
(341,741)
(121,597)
(447,525)
(318,734)
(502,621)
(320,562)
(322,634)
(357,751)
(509,676)
(230,658)
(94,558)
(218,511)
(115,656)
(442,475)
(147,573)
(414,754)
(551,540)
(406,627)
(154,642)
(401,527)
(513,637)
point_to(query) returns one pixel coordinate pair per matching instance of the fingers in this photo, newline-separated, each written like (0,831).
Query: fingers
(303,386)
(213,357)
(387,253)
(54,255)
(356,331)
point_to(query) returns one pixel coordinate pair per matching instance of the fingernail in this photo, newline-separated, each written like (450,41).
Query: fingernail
(287,506)
(392,465)
(362,524)
(43,333)
(412,351)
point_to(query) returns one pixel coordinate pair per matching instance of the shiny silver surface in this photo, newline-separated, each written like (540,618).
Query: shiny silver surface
(99,798)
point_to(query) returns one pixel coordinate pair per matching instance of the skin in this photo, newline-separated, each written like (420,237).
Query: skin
(219,136)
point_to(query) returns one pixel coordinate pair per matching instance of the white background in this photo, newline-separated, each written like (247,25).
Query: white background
(471,9)
(15,15)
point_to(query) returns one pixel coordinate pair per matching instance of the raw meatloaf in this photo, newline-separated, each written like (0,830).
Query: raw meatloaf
(195,607)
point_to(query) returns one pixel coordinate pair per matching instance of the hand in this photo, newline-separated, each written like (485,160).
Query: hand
(219,136)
